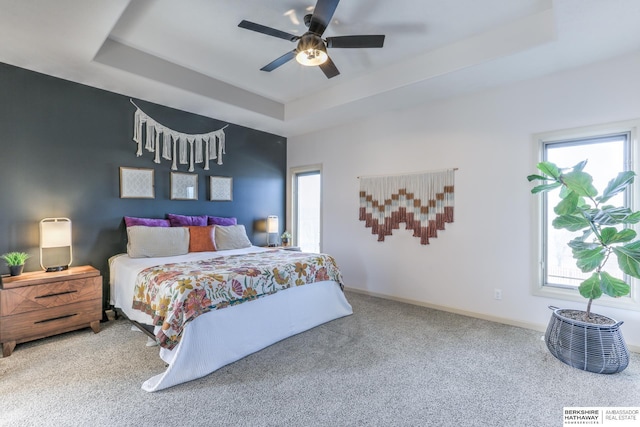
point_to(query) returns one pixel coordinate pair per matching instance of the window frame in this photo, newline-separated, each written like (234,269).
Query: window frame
(293,202)
(540,141)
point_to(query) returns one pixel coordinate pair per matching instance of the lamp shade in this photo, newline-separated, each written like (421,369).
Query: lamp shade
(55,232)
(55,244)
(272,224)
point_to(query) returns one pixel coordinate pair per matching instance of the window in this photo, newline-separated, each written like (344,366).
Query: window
(608,150)
(606,156)
(306,207)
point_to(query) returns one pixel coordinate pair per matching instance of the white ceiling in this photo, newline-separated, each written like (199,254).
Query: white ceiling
(191,55)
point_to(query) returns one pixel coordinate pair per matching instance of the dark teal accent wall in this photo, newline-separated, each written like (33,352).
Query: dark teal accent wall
(61,147)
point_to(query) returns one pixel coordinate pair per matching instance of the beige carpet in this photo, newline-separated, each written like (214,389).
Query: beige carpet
(390,364)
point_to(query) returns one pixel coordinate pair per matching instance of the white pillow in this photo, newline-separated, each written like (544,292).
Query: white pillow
(231,237)
(148,242)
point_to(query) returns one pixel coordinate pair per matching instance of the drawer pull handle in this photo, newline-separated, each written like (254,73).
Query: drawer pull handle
(56,294)
(55,318)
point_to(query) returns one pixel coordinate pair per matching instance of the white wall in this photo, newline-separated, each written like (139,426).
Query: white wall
(488,136)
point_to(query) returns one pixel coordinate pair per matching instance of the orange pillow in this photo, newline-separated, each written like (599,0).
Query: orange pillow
(201,238)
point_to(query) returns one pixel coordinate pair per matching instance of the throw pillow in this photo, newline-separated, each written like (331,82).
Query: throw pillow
(231,237)
(201,238)
(186,220)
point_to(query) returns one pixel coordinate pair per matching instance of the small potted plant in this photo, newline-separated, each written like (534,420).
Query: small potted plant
(583,339)
(286,238)
(15,261)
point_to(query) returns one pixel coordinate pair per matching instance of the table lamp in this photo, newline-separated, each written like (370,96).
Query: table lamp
(272,227)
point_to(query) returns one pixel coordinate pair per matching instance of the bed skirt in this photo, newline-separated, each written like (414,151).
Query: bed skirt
(220,337)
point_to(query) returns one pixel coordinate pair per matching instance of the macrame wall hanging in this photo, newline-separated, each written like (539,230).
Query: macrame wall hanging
(177,146)
(423,201)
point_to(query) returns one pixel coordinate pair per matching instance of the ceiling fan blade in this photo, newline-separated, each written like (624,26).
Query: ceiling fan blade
(248,25)
(356,41)
(329,68)
(280,61)
(322,14)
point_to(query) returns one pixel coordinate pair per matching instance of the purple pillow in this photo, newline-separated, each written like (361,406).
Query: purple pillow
(219,220)
(130,221)
(186,220)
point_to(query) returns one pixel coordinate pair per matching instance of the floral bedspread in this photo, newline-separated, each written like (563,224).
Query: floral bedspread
(174,294)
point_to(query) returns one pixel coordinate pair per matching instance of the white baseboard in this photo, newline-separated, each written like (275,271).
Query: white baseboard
(505,321)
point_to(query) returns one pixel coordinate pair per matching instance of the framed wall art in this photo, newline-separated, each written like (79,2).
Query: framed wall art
(220,188)
(184,186)
(136,183)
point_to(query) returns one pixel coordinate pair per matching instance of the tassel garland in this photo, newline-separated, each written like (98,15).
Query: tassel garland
(166,143)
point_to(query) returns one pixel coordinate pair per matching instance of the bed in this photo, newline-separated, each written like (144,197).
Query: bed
(195,345)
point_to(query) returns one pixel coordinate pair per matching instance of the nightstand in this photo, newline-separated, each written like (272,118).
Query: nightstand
(39,304)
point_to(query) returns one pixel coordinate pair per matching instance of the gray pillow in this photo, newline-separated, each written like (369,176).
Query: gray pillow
(231,237)
(147,242)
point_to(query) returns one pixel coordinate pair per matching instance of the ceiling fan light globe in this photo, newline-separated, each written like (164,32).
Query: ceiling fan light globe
(311,57)
(311,50)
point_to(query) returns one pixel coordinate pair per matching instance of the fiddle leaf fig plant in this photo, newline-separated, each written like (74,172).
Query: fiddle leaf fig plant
(604,229)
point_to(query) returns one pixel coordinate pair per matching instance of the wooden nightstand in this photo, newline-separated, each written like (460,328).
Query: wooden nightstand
(38,304)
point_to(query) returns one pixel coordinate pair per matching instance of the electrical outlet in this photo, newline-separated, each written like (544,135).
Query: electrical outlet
(497,294)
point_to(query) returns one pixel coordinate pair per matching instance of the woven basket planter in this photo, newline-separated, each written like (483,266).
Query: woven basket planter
(587,346)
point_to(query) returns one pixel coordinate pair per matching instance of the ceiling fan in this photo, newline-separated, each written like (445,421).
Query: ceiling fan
(312,48)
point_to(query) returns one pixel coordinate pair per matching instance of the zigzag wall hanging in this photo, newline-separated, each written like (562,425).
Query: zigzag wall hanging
(184,148)
(423,201)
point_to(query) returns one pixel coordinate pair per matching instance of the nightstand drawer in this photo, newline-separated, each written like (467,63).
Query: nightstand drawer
(38,297)
(37,324)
